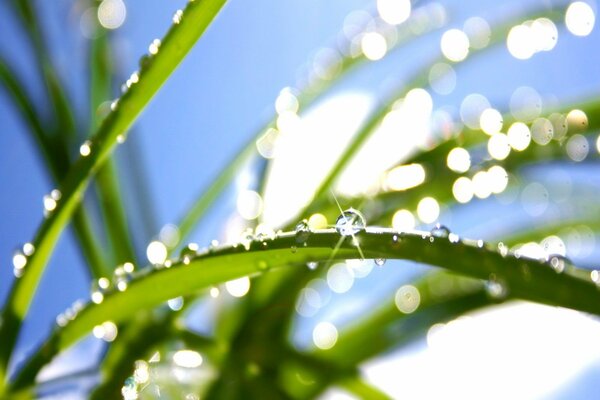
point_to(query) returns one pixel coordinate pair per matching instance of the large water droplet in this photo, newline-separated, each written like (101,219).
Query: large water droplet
(312,265)
(558,262)
(496,288)
(350,222)
(86,148)
(188,253)
(302,231)
(440,231)
(380,262)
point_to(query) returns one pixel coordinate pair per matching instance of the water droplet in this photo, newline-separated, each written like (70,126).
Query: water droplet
(480,243)
(86,148)
(154,47)
(595,276)
(28,249)
(129,391)
(496,288)
(175,304)
(121,139)
(62,320)
(213,244)
(502,249)
(350,222)
(312,265)
(114,105)
(177,16)
(440,231)
(246,239)
(558,263)
(431,239)
(106,331)
(380,262)
(395,238)
(453,238)
(302,231)
(51,201)
(188,253)
(99,289)
(19,261)
(122,276)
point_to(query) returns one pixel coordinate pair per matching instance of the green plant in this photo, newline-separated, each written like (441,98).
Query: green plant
(250,346)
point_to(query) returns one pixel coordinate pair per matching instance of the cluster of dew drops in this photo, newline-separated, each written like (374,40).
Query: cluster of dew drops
(349,223)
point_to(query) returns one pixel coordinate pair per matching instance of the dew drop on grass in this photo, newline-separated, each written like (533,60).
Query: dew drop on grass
(177,17)
(302,231)
(558,263)
(440,231)
(380,262)
(99,289)
(129,391)
(496,288)
(350,222)
(19,261)
(122,276)
(114,105)
(312,265)
(480,243)
(86,148)
(154,47)
(453,238)
(502,249)
(188,253)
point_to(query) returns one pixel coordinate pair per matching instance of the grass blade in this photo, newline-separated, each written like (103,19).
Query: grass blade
(524,278)
(155,71)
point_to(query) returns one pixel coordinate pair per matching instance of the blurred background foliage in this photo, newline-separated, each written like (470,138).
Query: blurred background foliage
(459,119)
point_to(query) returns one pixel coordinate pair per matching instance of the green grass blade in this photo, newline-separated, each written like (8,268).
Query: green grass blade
(57,163)
(110,199)
(155,71)
(524,278)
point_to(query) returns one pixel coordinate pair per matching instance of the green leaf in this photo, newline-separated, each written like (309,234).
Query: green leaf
(155,71)
(523,278)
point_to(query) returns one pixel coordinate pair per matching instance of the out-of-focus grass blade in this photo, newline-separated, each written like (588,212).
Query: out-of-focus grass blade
(520,277)
(155,71)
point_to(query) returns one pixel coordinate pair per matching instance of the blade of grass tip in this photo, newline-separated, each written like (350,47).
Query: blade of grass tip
(176,44)
(107,182)
(420,79)
(58,165)
(522,277)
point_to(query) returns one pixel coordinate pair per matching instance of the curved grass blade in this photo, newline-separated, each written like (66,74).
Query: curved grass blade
(109,194)
(524,278)
(155,71)
(57,162)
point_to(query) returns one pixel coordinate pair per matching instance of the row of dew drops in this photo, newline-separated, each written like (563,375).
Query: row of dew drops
(349,223)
